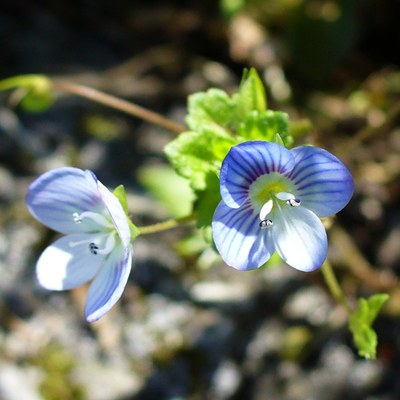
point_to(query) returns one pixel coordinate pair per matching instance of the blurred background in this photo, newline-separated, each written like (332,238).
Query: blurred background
(187,326)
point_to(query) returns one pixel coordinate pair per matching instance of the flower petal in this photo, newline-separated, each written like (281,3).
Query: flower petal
(248,161)
(299,238)
(57,195)
(117,214)
(323,182)
(109,283)
(68,262)
(239,238)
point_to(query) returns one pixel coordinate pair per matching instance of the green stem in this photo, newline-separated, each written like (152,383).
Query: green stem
(333,285)
(165,225)
(119,104)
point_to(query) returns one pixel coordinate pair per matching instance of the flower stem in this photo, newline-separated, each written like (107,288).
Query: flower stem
(119,104)
(165,225)
(333,285)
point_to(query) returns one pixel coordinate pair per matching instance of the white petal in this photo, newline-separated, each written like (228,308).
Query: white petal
(109,283)
(299,238)
(68,262)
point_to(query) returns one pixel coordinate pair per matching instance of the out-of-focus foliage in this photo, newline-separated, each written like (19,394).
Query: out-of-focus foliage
(34,92)
(361,321)
(169,188)
(318,34)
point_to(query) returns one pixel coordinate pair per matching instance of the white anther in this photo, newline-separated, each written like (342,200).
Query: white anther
(266,223)
(77,218)
(293,202)
(285,196)
(266,209)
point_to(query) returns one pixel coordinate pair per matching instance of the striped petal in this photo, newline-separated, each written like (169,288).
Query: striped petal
(109,283)
(248,161)
(59,194)
(323,182)
(117,214)
(299,238)
(68,262)
(239,238)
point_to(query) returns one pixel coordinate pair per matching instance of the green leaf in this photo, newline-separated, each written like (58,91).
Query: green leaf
(120,193)
(214,110)
(207,201)
(211,110)
(265,126)
(35,91)
(169,188)
(251,95)
(196,154)
(360,324)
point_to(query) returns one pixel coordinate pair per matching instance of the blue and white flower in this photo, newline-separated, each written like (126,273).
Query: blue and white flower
(272,200)
(97,245)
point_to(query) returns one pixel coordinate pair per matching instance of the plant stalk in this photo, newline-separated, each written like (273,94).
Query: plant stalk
(119,104)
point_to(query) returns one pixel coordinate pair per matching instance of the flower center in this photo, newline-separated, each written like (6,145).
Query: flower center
(269,191)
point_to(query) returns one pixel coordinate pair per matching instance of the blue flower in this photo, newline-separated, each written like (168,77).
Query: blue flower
(272,200)
(97,243)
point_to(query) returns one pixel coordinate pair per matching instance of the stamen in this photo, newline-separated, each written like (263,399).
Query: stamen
(93,248)
(77,218)
(108,247)
(266,223)
(285,196)
(78,242)
(266,209)
(293,202)
(96,217)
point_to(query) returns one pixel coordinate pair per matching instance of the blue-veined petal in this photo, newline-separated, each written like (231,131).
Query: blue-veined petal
(299,237)
(323,182)
(59,194)
(239,238)
(68,262)
(109,283)
(117,214)
(248,161)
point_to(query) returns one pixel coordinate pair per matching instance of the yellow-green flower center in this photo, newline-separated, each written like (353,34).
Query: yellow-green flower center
(267,186)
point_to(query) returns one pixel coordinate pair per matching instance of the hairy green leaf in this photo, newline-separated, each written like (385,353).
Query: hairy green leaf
(196,154)
(251,95)
(265,126)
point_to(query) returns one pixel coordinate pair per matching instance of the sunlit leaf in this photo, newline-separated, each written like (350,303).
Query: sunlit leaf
(265,126)
(120,193)
(196,154)
(251,95)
